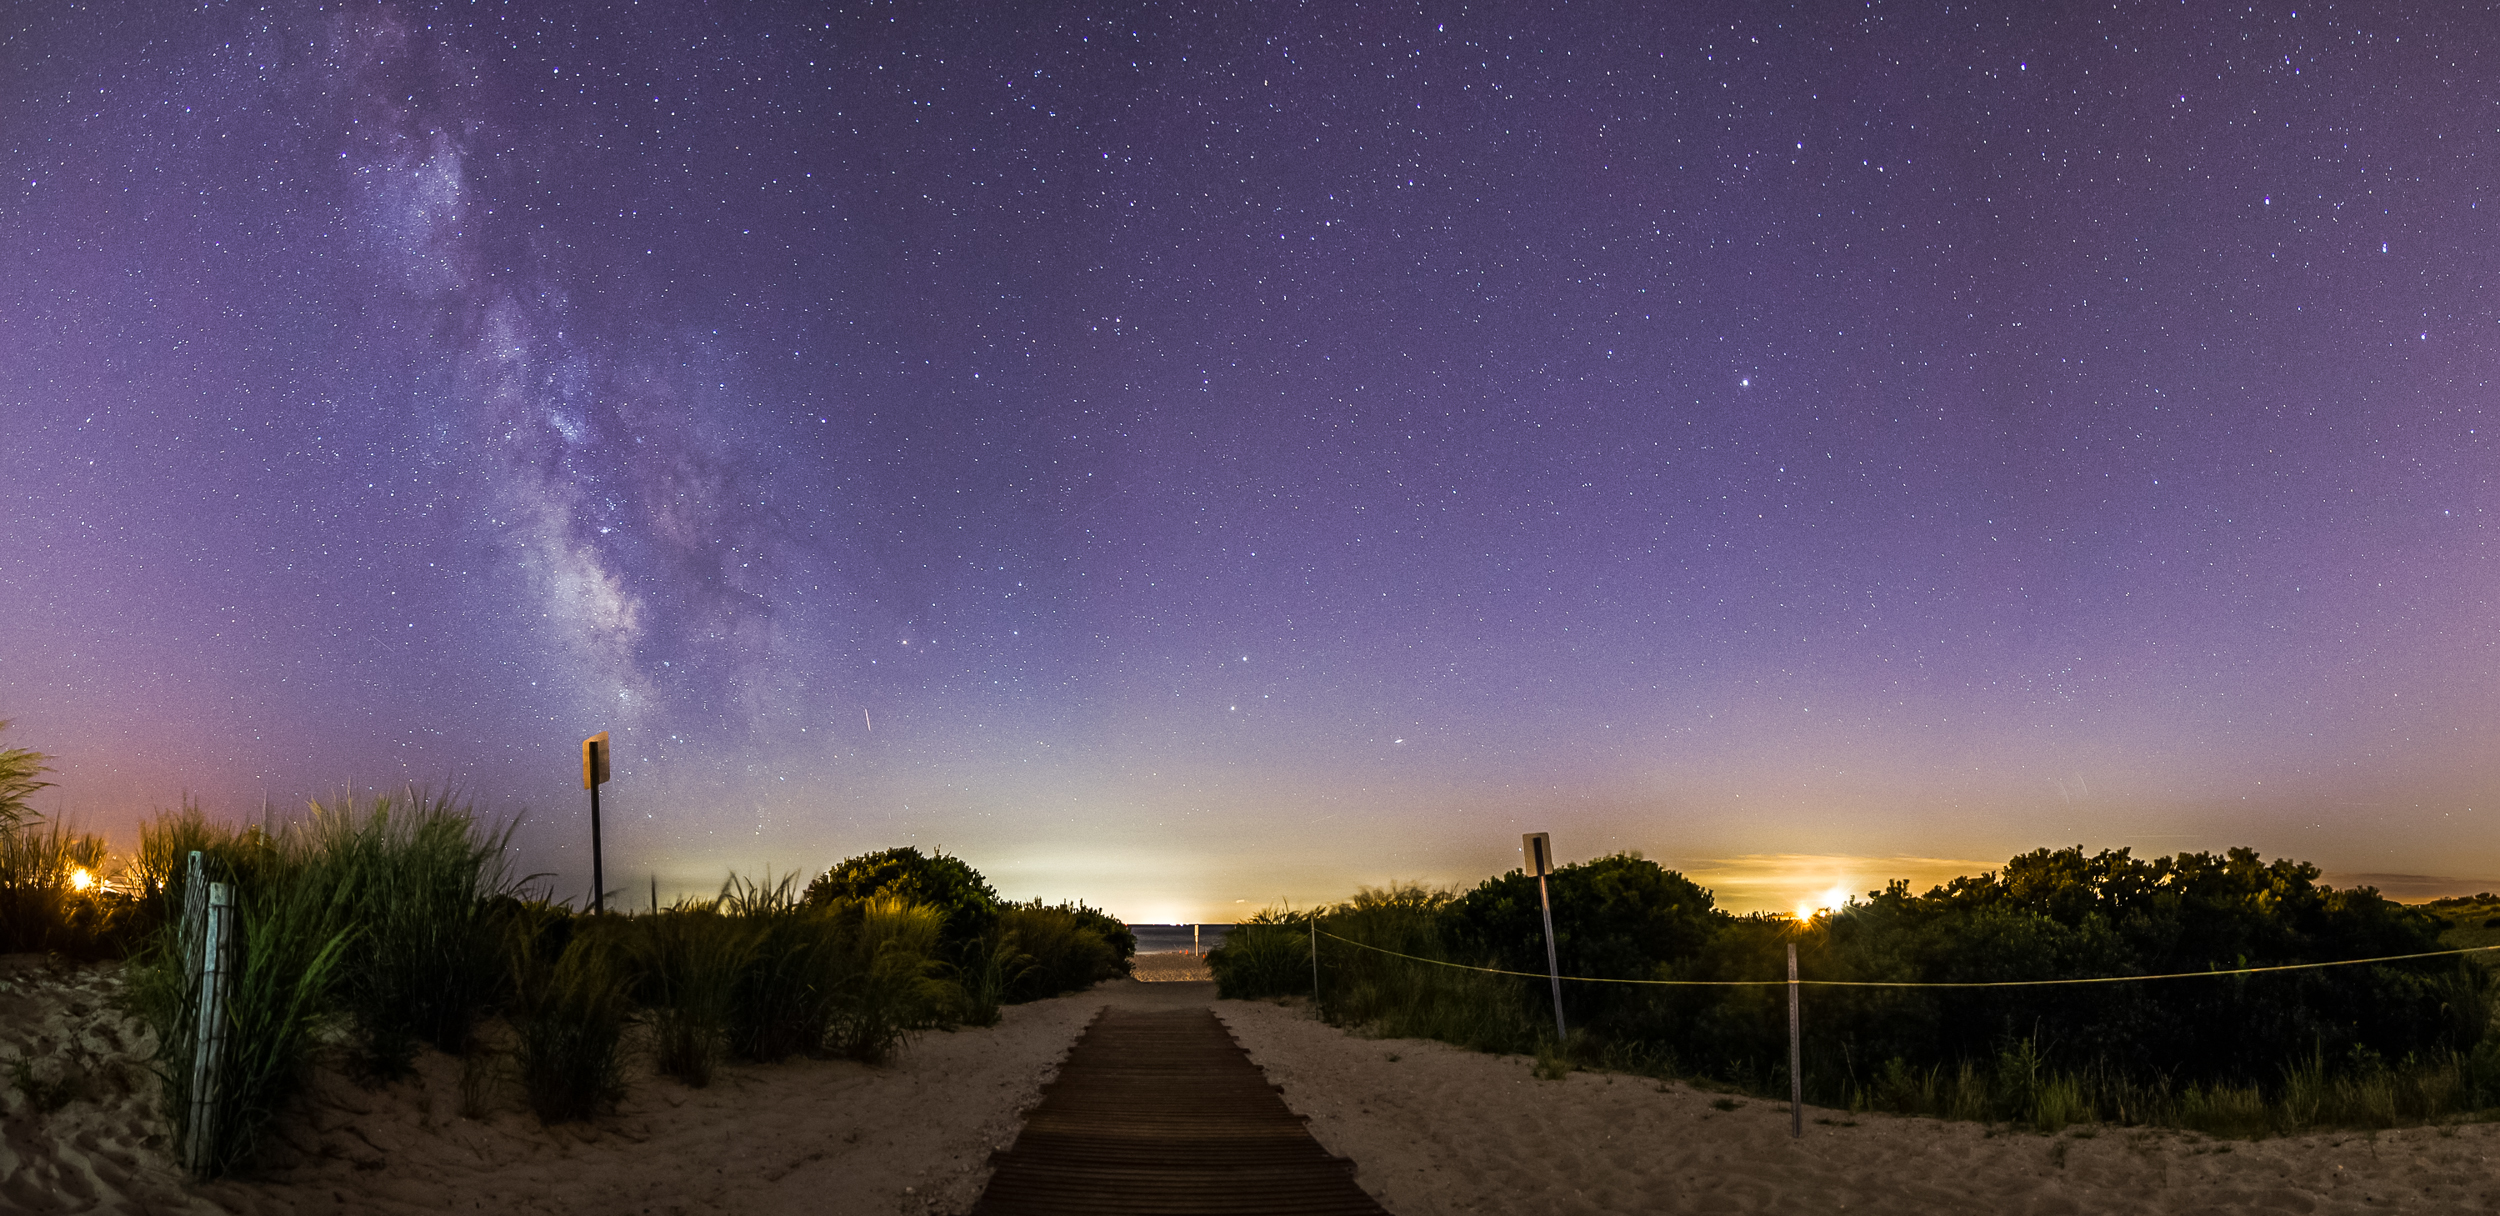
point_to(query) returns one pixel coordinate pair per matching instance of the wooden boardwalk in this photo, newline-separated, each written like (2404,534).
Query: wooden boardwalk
(1163,1113)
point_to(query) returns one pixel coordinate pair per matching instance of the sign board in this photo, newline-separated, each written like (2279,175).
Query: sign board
(595,760)
(1540,854)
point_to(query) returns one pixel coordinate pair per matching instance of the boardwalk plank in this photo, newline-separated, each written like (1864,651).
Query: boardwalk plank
(1163,1113)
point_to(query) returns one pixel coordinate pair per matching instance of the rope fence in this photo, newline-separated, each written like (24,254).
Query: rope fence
(2097,979)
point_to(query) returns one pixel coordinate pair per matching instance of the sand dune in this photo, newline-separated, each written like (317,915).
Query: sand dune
(1434,1130)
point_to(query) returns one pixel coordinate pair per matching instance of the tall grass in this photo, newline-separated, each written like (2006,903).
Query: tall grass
(1035,951)
(295,907)
(1266,955)
(889,985)
(782,1003)
(42,905)
(569,1011)
(691,957)
(411,881)
(428,877)
(2019,1088)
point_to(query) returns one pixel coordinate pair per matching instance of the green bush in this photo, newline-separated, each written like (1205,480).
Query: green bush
(2388,1042)
(1066,948)
(890,985)
(1268,955)
(962,897)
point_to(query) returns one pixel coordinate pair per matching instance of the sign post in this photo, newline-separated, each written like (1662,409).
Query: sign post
(1540,851)
(595,774)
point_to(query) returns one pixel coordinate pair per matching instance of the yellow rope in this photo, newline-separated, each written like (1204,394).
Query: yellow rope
(2098,979)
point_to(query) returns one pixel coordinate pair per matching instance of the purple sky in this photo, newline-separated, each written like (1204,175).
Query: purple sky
(1187,459)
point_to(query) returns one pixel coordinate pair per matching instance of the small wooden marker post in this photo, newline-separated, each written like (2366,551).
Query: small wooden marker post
(594,775)
(208,922)
(1540,850)
(1796,1075)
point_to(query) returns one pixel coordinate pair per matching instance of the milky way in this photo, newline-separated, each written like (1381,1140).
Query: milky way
(1193,458)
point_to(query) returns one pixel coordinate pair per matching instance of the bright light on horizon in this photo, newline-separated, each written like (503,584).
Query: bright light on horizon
(1835,898)
(80,879)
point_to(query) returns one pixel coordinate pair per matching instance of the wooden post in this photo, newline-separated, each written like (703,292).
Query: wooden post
(216,934)
(1796,1075)
(1540,856)
(1315,960)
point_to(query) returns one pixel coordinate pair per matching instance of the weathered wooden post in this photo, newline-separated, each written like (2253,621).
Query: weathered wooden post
(1540,851)
(208,940)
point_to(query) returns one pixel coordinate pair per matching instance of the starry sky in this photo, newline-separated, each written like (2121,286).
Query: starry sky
(1189,457)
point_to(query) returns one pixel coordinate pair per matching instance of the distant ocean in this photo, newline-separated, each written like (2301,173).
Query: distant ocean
(1155,939)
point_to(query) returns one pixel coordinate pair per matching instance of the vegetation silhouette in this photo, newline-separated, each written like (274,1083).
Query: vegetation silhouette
(2368,1045)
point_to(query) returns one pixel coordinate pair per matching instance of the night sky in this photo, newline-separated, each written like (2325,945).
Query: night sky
(1191,457)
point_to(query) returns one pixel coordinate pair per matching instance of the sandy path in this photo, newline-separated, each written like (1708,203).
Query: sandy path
(1439,1130)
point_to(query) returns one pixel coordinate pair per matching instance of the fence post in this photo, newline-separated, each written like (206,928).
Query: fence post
(1314,960)
(1796,1075)
(209,941)
(1539,849)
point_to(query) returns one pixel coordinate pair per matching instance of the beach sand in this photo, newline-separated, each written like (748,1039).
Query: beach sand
(1437,1129)
(1433,1129)
(1173,966)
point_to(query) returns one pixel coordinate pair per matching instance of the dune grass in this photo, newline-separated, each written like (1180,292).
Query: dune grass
(48,903)
(369,928)
(690,957)
(296,921)
(570,1005)
(409,881)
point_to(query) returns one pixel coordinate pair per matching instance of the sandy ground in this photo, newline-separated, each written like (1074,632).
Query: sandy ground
(1432,1128)
(1170,967)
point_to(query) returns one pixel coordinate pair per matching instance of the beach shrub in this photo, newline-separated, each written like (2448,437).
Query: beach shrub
(2384,1042)
(964,900)
(1621,915)
(1064,948)
(890,980)
(1268,955)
